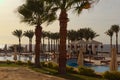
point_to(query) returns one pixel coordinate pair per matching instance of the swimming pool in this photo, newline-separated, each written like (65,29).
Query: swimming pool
(73,63)
(70,62)
(23,58)
(100,68)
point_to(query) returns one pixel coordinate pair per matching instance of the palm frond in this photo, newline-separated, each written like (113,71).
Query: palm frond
(17,33)
(29,33)
(37,11)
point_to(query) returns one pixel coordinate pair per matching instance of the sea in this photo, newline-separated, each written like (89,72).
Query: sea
(106,47)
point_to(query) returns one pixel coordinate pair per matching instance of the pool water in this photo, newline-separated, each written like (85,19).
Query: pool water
(23,58)
(100,68)
(73,63)
(70,62)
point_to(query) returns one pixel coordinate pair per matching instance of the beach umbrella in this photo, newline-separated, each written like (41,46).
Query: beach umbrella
(80,58)
(113,62)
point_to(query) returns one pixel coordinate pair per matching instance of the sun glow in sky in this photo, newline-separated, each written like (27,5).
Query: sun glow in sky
(99,18)
(1,1)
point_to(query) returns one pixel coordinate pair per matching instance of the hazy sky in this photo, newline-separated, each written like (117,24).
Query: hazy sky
(99,18)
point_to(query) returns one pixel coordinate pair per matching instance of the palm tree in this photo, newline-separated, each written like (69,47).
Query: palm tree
(93,34)
(51,37)
(54,38)
(86,34)
(65,6)
(18,34)
(57,38)
(48,36)
(44,34)
(72,35)
(29,34)
(116,29)
(37,12)
(110,34)
(11,48)
(80,34)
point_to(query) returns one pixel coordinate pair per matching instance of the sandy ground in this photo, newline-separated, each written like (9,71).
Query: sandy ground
(21,73)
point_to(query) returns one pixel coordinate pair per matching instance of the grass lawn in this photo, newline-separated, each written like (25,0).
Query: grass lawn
(53,72)
(69,76)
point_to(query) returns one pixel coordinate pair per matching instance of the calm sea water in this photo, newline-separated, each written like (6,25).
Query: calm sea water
(106,47)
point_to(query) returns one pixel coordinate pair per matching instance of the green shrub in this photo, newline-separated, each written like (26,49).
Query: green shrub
(50,65)
(29,62)
(86,71)
(43,64)
(69,69)
(55,66)
(112,75)
(19,62)
(8,62)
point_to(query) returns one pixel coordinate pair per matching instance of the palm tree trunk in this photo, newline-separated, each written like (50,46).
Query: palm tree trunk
(38,31)
(19,45)
(51,45)
(68,41)
(110,45)
(30,45)
(43,45)
(63,34)
(48,44)
(117,43)
(54,45)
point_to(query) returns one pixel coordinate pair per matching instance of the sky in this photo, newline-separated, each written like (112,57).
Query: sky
(99,18)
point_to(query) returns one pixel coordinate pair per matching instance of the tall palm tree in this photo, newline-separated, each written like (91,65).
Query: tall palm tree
(72,35)
(57,38)
(93,34)
(110,34)
(48,36)
(116,29)
(54,39)
(44,34)
(80,33)
(29,34)
(51,38)
(86,34)
(18,34)
(37,12)
(64,6)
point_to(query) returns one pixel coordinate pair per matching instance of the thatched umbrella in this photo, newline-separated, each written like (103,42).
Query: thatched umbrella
(113,63)
(80,58)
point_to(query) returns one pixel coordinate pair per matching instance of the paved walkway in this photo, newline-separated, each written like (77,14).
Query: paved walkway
(20,73)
